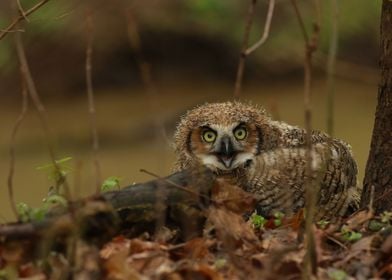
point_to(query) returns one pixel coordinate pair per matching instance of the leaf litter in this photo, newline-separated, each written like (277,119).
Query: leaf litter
(234,245)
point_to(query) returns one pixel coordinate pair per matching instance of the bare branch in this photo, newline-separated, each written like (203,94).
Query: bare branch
(311,44)
(32,91)
(267,27)
(136,45)
(12,142)
(241,64)
(21,17)
(332,53)
(91,104)
(21,10)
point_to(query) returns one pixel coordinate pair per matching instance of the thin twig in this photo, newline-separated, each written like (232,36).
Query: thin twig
(91,104)
(267,27)
(176,185)
(32,91)
(136,45)
(21,17)
(15,129)
(241,64)
(311,44)
(21,10)
(331,62)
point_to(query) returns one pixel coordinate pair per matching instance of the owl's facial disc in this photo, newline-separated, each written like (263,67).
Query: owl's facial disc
(224,147)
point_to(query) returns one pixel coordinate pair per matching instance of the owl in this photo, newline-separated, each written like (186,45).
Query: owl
(240,143)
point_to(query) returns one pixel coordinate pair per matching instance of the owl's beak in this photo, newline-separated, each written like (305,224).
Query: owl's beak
(226,152)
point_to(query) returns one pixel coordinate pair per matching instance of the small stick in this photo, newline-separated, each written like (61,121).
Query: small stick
(247,51)
(91,104)
(175,185)
(311,43)
(12,147)
(331,62)
(32,91)
(136,44)
(21,10)
(241,64)
(21,17)
(267,27)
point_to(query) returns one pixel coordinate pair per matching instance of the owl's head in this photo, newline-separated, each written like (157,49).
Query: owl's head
(221,136)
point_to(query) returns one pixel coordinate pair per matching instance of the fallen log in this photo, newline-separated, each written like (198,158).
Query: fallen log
(98,218)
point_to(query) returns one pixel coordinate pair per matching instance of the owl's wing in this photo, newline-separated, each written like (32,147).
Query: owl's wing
(278,178)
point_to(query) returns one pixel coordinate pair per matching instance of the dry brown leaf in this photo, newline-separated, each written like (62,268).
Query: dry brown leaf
(29,270)
(361,250)
(232,197)
(356,221)
(386,246)
(231,225)
(119,245)
(199,271)
(116,267)
(13,252)
(197,248)
(278,239)
(138,246)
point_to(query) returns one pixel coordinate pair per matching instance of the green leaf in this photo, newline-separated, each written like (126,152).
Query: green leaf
(336,274)
(51,165)
(350,235)
(220,263)
(38,214)
(386,217)
(375,225)
(110,184)
(55,199)
(257,221)
(23,211)
(323,223)
(278,218)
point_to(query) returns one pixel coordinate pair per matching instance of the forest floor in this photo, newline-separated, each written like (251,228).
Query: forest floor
(230,247)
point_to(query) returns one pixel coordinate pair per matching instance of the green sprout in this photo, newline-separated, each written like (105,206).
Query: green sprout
(386,217)
(257,221)
(375,225)
(278,216)
(336,274)
(57,171)
(28,214)
(323,223)
(111,184)
(350,235)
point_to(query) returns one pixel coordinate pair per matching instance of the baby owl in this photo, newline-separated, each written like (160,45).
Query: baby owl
(239,142)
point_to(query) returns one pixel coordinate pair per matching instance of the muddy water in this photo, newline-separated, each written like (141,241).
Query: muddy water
(129,140)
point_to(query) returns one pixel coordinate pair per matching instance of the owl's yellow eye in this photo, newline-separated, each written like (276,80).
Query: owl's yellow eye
(209,136)
(240,133)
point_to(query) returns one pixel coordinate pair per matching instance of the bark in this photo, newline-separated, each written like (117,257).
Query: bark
(100,217)
(378,174)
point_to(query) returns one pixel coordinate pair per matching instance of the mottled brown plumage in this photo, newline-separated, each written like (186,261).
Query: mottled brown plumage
(241,143)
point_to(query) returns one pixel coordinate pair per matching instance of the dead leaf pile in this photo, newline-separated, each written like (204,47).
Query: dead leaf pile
(232,246)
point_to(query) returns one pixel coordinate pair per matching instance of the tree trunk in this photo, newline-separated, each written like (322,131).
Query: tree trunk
(379,165)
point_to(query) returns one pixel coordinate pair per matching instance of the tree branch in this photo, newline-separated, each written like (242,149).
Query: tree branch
(267,27)
(331,62)
(32,91)
(311,44)
(21,17)
(91,104)
(241,64)
(12,142)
